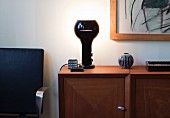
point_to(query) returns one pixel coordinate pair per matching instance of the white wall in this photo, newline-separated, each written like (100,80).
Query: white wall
(49,24)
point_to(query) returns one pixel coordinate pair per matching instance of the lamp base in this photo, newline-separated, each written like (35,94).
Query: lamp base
(88,67)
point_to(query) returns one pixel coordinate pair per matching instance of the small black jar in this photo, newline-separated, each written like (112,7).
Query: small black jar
(126,60)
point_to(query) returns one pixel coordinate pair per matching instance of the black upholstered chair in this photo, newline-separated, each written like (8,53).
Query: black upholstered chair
(21,82)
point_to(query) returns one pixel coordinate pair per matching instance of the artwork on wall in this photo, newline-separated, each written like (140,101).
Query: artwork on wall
(140,19)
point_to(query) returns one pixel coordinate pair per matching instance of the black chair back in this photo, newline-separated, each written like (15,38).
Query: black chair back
(21,75)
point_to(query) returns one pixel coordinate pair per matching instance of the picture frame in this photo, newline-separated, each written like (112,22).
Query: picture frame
(114,35)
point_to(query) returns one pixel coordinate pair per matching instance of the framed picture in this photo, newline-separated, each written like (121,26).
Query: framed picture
(140,19)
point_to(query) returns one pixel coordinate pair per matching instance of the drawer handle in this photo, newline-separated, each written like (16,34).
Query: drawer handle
(121,108)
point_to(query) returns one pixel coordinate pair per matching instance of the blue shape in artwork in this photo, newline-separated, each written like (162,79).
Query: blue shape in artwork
(155,3)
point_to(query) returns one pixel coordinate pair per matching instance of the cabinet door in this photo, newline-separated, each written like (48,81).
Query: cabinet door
(153,98)
(93,97)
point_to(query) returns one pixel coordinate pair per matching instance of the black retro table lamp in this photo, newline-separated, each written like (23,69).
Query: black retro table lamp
(86,31)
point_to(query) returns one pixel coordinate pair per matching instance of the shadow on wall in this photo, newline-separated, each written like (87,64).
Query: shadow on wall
(51,96)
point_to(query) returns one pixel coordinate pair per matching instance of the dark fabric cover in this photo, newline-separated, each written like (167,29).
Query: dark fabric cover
(21,74)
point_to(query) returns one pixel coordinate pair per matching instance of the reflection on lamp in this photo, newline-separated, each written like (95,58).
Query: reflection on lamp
(86,31)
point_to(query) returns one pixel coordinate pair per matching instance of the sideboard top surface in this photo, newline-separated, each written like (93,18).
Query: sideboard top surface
(97,70)
(135,70)
(111,70)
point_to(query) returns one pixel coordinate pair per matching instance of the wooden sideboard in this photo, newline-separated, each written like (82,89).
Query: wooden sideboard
(112,92)
(150,93)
